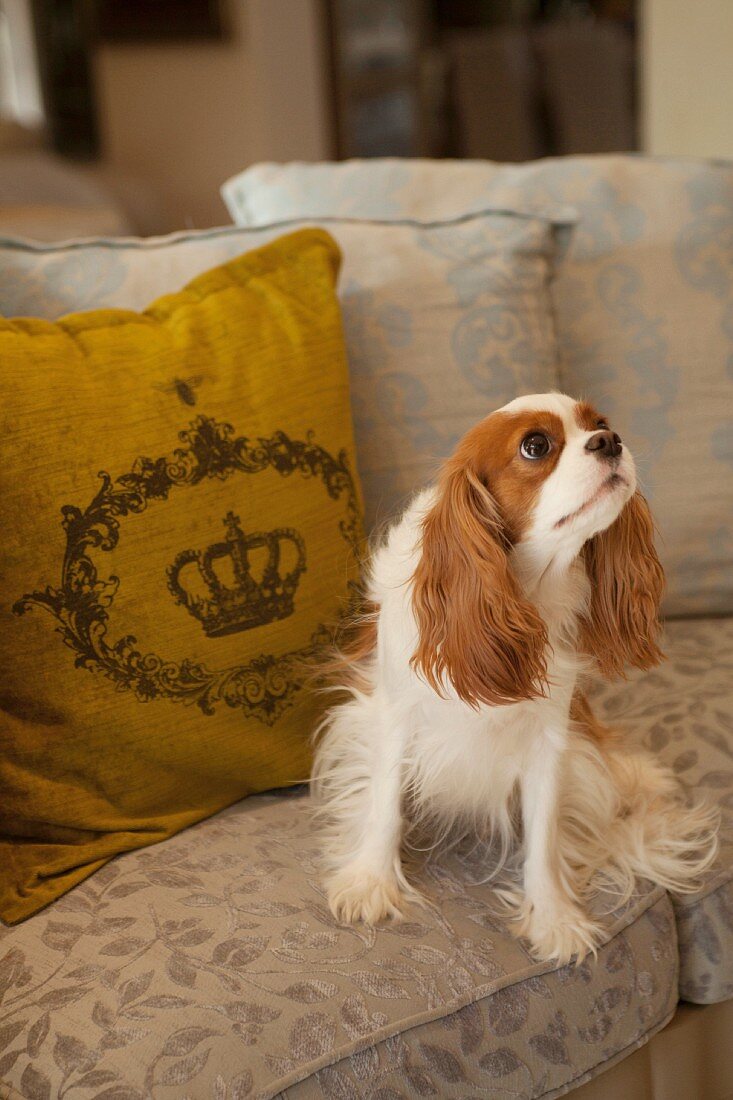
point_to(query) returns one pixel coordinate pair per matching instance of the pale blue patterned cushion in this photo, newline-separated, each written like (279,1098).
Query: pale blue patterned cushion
(382,188)
(444,322)
(644,306)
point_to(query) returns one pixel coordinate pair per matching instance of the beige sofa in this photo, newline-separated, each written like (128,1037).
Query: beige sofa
(209,966)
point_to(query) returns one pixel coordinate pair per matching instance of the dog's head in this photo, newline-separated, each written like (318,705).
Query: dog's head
(548,478)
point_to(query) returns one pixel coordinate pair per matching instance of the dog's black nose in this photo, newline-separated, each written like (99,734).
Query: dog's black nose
(605,444)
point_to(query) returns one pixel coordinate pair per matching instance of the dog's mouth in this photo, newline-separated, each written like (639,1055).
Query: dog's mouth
(612,482)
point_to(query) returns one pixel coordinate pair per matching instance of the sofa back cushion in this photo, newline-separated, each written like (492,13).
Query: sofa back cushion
(444,322)
(643,301)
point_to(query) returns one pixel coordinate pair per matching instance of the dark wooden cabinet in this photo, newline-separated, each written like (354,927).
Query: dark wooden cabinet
(379,78)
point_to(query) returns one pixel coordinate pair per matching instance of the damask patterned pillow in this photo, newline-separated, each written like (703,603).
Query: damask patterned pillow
(443,322)
(644,306)
(180,524)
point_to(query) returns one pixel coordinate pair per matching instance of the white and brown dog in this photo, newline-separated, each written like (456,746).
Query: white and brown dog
(530,559)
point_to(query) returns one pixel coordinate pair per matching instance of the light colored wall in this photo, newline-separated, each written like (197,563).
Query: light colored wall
(183,117)
(687,77)
(20,87)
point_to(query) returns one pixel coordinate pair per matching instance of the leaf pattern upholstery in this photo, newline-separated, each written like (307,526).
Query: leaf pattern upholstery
(210,966)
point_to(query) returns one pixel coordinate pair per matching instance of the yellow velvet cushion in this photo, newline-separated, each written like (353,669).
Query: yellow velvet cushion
(180,520)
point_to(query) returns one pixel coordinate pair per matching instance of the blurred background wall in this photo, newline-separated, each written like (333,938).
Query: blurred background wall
(186,115)
(153,103)
(686,63)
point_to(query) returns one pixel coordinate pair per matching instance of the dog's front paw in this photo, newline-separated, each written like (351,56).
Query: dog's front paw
(558,931)
(358,895)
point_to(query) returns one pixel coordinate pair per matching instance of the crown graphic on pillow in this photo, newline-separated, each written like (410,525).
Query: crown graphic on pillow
(234,600)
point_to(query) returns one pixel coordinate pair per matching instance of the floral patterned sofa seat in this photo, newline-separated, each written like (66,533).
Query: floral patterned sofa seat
(210,967)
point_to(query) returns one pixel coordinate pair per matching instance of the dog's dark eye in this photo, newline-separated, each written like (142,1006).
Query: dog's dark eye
(535,445)
(603,424)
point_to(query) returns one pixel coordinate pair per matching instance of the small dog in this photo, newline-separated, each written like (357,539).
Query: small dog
(531,559)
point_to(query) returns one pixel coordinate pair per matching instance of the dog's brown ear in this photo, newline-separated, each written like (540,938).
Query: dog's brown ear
(627,583)
(475,630)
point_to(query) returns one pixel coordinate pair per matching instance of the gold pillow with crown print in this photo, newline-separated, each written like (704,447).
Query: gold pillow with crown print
(180,528)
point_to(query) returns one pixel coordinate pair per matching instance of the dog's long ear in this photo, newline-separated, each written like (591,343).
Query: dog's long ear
(627,583)
(475,630)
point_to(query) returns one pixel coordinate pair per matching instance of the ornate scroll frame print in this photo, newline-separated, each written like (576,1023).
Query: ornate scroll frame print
(264,687)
